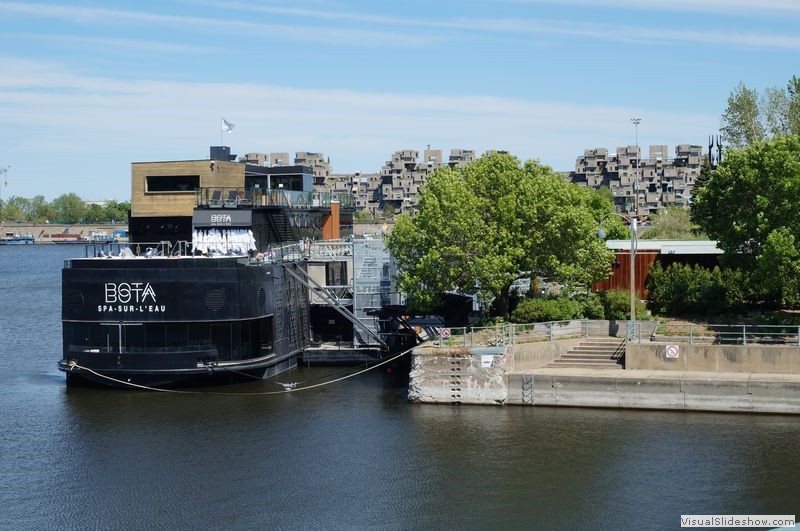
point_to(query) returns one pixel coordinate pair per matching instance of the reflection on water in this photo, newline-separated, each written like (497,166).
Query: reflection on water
(351,455)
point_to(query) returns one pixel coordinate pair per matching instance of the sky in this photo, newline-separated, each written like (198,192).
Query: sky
(87,87)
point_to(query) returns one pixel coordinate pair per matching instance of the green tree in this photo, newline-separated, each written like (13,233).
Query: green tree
(363,216)
(479,226)
(777,271)
(15,208)
(750,206)
(116,212)
(672,223)
(740,123)
(36,207)
(793,105)
(775,111)
(95,214)
(69,208)
(44,211)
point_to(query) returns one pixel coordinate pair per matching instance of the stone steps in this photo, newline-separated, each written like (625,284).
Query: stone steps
(579,365)
(595,353)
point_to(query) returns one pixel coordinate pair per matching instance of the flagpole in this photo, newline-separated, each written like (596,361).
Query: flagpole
(220,130)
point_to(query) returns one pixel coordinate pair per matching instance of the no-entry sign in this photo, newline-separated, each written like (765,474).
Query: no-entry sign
(672,351)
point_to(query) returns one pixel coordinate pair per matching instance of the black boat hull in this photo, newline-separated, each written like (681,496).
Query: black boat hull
(82,376)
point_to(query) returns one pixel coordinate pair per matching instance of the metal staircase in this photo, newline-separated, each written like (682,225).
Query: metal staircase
(304,278)
(280,227)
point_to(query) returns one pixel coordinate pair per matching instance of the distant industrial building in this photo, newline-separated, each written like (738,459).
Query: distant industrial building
(659,180)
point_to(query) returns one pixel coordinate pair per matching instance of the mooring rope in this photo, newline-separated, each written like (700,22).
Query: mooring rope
(73,364)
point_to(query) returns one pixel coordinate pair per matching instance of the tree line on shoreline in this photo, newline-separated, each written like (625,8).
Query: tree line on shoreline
(66,208)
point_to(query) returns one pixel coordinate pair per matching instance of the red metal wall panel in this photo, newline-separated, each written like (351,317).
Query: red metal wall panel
(621,270)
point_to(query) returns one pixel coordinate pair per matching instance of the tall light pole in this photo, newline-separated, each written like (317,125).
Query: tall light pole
(634,243)
(634,240)
(636,121)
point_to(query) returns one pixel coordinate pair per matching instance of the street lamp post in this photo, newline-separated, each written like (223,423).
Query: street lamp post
(636,121)
(634,244)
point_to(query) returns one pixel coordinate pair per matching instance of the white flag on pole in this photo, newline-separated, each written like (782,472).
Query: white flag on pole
(227,126)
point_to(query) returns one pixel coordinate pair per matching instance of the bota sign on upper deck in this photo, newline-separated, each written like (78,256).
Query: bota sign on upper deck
(205,217)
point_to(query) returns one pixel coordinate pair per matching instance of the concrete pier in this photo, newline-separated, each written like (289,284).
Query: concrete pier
(753,379)
(654,389)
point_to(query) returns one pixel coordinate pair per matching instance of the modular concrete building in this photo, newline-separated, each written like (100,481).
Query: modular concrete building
(653,183)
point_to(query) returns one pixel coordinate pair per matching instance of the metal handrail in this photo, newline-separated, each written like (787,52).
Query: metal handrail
(736,334)
(238,196)
(504,334)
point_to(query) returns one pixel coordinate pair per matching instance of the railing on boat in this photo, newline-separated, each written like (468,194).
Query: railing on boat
(240,197)
(287,252)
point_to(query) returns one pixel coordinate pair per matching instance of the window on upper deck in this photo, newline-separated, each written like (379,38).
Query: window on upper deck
(172,183)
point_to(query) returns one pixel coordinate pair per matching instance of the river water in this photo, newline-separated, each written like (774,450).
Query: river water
(351,455)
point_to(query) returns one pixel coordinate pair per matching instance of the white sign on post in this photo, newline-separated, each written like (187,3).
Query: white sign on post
(672,351)
(486,361)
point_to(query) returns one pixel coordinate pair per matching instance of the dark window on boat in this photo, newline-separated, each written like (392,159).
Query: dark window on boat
(172,183)
(77,335)
(154,335)
(236,340)
(175,334)
(199,334)
(133,338)
(221,338)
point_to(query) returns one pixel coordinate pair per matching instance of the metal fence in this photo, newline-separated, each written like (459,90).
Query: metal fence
(723,334)
(641,331)
(511,333)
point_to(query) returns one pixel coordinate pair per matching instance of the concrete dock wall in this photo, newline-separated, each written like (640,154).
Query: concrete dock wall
(731,392)
(756,379)
(476,375)
(458,376)
(714,358)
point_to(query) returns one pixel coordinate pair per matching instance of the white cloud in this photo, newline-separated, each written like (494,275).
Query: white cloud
(390,36)
(292,32)
(634,33)
(572,28)
(78,121)
(114,43)
(720,6)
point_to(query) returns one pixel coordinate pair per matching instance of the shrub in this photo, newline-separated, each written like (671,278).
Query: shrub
(617,305)
(683,289)
(593,307)
(789,319)
(546,309)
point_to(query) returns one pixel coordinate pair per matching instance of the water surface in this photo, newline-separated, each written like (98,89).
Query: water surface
(351,455)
